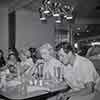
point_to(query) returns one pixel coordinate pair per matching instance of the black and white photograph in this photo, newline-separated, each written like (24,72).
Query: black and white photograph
(49,49)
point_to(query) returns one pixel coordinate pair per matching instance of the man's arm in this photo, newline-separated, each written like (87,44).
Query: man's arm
(89,88)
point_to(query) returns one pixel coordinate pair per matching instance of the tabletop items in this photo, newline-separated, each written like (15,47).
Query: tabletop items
(25,76)
(24,86)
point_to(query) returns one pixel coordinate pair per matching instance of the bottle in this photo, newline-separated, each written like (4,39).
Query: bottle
(40,82)
(58,73)
(35,82)
(24,85)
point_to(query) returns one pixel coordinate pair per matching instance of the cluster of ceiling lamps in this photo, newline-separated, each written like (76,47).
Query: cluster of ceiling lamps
(56,9)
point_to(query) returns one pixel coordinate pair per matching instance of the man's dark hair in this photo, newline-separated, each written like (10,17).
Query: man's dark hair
(67,47)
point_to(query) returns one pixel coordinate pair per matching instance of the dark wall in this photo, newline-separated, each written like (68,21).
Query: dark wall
(3,29)
(31,32)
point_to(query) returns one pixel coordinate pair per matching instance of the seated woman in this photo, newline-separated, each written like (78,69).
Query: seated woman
(10,71)
(3,73)
(26,65)
(52,69)
(12,65)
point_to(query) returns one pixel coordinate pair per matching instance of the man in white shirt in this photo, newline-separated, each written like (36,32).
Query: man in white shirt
(79,74)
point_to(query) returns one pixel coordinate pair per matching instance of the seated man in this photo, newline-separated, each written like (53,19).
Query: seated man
(79,74)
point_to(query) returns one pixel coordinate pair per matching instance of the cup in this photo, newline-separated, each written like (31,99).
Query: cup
(40,82)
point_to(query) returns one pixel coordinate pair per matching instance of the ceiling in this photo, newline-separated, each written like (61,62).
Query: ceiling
(88,8)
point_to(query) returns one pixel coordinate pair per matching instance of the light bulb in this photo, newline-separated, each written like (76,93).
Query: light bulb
(48,2)
(56,15)
(69,17)
(58,21)
(42,18)
(46,12)
(65,16)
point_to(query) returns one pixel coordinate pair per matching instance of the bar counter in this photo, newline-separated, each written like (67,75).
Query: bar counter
(33,92)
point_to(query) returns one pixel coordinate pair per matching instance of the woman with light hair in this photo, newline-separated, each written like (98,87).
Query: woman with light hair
(50,48)
(51,64)
(26,65)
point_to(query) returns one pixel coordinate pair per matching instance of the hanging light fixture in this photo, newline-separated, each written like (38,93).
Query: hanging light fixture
(56,9)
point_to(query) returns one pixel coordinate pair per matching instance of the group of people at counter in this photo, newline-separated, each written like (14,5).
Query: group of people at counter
(60,65)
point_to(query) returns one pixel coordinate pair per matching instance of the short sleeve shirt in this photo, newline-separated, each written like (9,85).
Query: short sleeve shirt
(80,73)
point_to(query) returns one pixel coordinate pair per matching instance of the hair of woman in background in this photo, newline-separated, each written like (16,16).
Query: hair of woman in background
(33,52)
(2,60)
(16,53)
